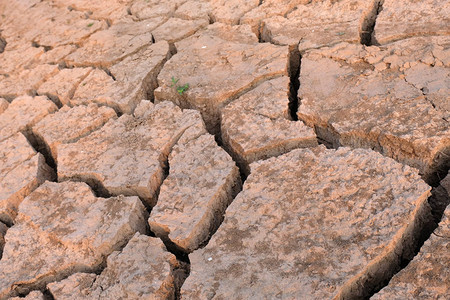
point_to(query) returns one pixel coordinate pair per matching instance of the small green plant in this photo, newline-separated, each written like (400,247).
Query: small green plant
(90,24)
(180,88)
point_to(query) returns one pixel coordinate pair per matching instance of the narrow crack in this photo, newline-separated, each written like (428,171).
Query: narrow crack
(40,146)
(295,61)
(3,44)
(368,22)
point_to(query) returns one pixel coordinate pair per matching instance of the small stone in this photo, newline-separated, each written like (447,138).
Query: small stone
(23,113)
(21,171)
(126,156)
(61,229)
(401,20)
(257,125)
(427,275)
(61,87)
(68,125)
(329,223)
(142,270)
(202,182)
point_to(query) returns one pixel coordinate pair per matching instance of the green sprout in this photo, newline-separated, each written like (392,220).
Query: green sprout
(180,88)
(90,24)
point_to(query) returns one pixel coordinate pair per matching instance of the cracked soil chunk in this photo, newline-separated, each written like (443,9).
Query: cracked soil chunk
(381,98)
(129,81)
(428,274)
(62,228)
(21,171)
(317,24)
(61,87)
(68,125)
(219,63)
(322,220)
(107,47)
(177,29)
(402,19)
(142,270)
(257,125)
(202,182)
(231,11)
(127,156)
(26,82)
(23,113)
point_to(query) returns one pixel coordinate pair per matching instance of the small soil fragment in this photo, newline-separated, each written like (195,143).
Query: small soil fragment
(61,229)
(68,125)
(21,171)
(128,155)
(400,20)
(382,98)
(142,270)
(257,125)
(203,181)
(329,223)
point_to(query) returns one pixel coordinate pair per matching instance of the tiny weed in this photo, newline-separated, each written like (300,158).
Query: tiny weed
(180,88)
(90,24)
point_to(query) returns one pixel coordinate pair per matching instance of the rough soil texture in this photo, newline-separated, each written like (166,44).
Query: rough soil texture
(212,149)
(393,99)
(342,201)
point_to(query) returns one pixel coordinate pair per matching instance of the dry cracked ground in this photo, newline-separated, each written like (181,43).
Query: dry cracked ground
(212,149)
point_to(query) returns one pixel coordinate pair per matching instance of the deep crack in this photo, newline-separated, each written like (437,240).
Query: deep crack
(368,24)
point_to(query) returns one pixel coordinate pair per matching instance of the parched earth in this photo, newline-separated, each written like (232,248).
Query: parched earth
(212,149)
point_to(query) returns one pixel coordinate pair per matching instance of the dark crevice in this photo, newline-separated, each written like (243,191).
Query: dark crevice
(48,295)
(41,147)
(153,39)
(294,65)
(97,187)
(108,72)
(2,44)
(37,45)
(368,24)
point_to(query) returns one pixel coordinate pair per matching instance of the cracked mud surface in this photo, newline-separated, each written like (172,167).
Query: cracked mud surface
(210,149)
